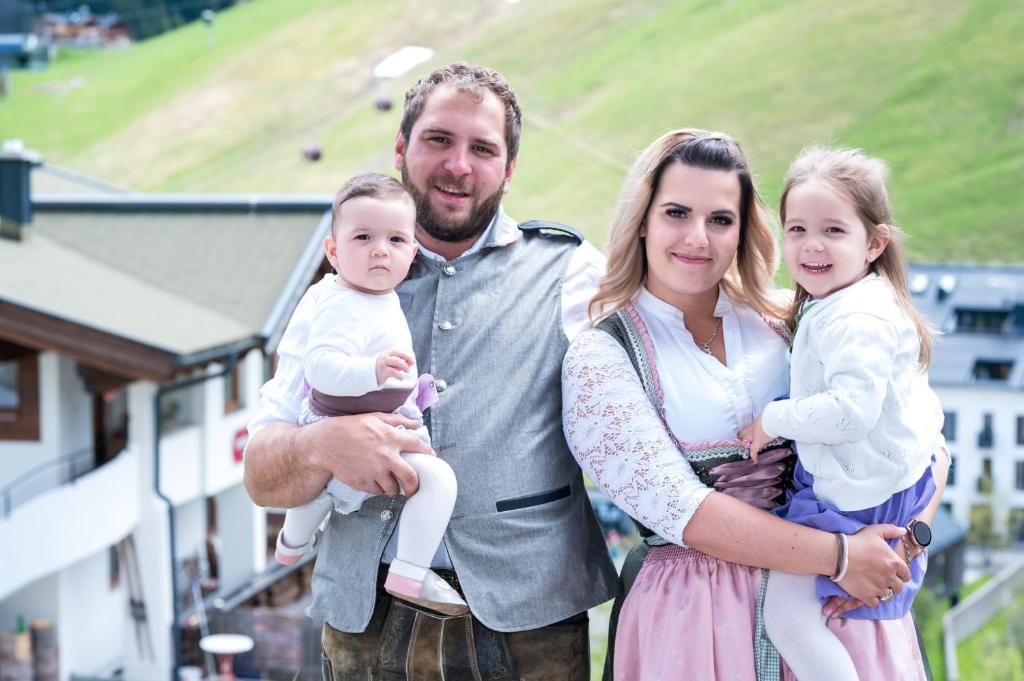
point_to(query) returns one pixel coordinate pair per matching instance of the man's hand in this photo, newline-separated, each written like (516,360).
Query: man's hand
(392,364)
(755,435)
(874,567)
(363,451)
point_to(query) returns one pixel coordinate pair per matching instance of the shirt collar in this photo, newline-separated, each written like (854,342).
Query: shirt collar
(501,231)
(649,302)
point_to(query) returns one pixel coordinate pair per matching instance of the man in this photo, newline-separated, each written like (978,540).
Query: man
(491,306)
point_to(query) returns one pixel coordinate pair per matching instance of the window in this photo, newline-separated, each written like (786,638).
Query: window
(992,369)
(985,479)
(19,393)
(981,321)
(1019,477)
(9,398)
(234,398)
(949,426)
(951,478)
(181,408)
(986,436)
(1015,524)
(269,366)
(1020,430)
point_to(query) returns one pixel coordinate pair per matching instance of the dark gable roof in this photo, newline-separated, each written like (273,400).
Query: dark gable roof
(939,291)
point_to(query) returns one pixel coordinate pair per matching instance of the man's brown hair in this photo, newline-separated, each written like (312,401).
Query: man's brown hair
(473,80)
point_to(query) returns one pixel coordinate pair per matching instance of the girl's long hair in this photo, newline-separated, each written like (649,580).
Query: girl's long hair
(861,179)
(749,279)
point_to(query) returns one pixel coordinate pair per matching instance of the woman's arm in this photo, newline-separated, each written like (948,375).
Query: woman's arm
(732,530)
(619,440)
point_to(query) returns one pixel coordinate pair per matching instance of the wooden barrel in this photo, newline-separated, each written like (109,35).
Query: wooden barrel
(45,661)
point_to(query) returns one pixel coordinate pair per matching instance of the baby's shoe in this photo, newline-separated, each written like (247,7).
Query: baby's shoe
(433,592)
(286,555)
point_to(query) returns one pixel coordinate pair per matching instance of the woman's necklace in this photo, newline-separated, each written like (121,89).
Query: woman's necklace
(706,347)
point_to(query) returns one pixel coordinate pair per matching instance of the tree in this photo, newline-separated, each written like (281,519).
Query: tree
(983,532)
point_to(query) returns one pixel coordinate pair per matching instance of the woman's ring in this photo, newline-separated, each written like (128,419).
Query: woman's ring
(887,596)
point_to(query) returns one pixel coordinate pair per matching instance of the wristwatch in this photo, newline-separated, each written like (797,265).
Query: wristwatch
(920,533)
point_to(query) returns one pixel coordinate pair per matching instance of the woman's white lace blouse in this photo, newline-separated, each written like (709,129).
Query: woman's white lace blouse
(615,433)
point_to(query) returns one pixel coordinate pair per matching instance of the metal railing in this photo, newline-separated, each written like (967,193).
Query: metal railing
(974,611)
(45,477)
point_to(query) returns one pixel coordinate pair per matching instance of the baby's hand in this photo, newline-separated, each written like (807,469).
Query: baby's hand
(756,437)
(392,365)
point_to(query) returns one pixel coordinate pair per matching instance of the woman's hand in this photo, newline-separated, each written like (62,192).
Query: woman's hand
(874,567)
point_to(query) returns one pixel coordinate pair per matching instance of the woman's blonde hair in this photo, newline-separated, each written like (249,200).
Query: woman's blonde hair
(861,180)
(749,278)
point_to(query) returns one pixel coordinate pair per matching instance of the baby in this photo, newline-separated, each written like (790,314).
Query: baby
(360,360)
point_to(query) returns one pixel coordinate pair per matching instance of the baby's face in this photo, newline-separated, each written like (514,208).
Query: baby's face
(372,246)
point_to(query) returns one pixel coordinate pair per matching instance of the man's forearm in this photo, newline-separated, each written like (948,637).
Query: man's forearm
(279,467)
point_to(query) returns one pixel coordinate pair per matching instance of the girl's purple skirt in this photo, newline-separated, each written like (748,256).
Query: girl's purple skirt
(803,507)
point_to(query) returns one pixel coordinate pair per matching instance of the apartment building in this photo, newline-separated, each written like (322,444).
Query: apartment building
(978,372)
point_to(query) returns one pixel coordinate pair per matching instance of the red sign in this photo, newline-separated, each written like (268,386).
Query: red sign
(238,446)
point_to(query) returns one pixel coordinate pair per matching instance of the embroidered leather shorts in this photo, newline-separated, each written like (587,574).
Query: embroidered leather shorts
(403,642)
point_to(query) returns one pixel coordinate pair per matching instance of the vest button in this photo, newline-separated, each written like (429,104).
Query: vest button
(440,385)
(446,325)
(385,516)
(449,270)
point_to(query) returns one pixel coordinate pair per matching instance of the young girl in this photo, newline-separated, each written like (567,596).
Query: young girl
(860,410)
(359,359)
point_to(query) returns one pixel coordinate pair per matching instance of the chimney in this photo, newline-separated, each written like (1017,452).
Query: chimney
(15,193)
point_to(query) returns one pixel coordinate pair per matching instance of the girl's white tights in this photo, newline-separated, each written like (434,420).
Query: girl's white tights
(795,625)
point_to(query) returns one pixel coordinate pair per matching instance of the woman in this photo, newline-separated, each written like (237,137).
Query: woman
(690,352)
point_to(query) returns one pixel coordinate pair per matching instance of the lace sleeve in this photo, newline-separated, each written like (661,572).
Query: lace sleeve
(619,441)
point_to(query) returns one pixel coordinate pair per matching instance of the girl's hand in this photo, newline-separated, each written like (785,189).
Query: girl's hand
(755,435)
(838,606)
(392,364)
(874,567)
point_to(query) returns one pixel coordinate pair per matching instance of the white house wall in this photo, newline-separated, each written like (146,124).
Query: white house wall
(222,471)
(70,522)
(242,535)
(93,625)
(181,456)
(73,411)
(970,404)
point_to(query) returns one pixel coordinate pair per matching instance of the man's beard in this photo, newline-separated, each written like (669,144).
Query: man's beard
(447,229)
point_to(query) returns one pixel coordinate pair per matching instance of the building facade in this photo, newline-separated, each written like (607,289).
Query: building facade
(135,332)
(978,372)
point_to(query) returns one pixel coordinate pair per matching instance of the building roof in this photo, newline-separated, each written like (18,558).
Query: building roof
(946,532)
(49,179)
(144,285)
(941,291)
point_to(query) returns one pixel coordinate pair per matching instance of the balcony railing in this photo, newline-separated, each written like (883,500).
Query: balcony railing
(45,477)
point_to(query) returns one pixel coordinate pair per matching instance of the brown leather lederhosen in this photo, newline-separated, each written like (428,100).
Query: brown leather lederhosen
(403,642)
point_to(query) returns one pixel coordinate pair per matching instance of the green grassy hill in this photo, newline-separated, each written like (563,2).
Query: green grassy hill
(936,88)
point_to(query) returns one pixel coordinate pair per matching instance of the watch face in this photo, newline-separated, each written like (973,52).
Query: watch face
(922,534)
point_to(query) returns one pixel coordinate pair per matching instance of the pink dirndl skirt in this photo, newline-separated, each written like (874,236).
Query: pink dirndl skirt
(691,616)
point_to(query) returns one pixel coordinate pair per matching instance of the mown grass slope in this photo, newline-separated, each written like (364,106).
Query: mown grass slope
(935,88)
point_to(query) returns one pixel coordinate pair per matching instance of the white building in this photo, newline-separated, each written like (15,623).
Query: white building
(132,338)
(978,372)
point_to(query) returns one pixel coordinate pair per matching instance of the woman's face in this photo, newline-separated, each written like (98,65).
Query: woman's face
(691,230)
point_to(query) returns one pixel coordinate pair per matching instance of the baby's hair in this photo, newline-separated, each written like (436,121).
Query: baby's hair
(374,185)
(861,179)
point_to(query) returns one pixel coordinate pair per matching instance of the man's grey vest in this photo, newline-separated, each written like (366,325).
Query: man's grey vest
(523,539)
